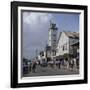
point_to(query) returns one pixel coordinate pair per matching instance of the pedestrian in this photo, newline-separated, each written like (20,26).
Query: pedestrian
(72,64)
(34,67)
(56,62)
(30,67)
(59,64)
(51,64)
(67,63)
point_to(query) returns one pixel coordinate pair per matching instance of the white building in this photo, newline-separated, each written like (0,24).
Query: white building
(65,41)
(52,41)
(42,55)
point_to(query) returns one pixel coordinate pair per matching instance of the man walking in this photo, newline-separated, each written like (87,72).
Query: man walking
(34,66)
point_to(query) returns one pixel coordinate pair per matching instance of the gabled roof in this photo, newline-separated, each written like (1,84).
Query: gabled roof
(74,35)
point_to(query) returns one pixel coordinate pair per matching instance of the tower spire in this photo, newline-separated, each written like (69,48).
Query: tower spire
(52,22)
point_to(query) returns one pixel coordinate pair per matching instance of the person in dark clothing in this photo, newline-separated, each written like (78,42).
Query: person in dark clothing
(72,64)
(30,67)
(59,64)
(34,67)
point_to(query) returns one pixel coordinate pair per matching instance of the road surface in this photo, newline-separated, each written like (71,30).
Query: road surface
(48,71)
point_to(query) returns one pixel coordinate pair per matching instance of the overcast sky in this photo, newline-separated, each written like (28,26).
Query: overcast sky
(35,29)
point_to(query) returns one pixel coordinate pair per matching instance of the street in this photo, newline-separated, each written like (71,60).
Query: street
(48,71)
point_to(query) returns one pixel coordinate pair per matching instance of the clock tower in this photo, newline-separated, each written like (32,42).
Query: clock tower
(52,41)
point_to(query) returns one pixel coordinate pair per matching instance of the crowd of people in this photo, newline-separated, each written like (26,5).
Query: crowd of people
(72,64)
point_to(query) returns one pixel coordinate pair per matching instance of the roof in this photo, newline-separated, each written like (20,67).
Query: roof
(72,34)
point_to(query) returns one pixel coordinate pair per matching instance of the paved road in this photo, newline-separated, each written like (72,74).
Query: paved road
(48,71)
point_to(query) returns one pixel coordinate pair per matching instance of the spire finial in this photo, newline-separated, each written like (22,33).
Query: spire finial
(52,21)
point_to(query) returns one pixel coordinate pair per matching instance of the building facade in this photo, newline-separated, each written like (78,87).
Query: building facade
(52,41)
(66,42)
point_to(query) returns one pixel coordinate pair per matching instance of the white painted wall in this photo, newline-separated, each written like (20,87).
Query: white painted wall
(62,41)
(5,46)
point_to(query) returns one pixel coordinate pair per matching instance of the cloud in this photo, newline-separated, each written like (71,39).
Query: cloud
(36,20)
(35,32)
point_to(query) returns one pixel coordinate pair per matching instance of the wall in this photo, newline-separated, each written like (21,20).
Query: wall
(62,41)
(5,46)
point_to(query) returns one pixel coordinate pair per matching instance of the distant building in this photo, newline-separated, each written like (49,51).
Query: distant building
(52,41)
(42,55)
(68,43)
(48,52)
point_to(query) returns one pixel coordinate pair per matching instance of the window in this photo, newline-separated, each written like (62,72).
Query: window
(54,35)
(65,46)
(54,40)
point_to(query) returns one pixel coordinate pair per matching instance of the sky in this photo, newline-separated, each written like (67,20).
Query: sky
(36,25)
